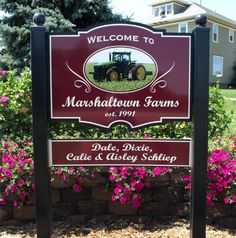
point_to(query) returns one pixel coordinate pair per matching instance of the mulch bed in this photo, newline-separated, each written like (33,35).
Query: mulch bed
(106,227)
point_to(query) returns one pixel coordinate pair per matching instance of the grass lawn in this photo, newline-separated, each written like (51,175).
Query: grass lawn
(230,95)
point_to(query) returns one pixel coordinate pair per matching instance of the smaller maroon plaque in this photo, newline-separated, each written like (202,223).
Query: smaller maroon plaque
(119,153)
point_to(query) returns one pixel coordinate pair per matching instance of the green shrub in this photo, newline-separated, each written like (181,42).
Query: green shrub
(15,117)
(219,120)
(15,105)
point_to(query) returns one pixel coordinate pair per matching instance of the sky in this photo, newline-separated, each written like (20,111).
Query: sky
(103,56)
(140,11)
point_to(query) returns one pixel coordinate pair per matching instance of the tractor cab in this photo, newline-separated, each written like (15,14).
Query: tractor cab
(120,57)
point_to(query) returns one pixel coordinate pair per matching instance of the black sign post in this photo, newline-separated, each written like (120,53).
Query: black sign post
(200,127)
(200,85)
(40,127)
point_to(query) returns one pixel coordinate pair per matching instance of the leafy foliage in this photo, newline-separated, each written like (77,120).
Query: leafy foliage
(15,105)
(60,16)
(15,117)
(219,120)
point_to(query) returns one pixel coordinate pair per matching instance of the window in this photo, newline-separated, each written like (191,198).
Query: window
(156,12)
(163,10)
(218,63)
(183,27)
(169,9)
(231,35)
(215,33)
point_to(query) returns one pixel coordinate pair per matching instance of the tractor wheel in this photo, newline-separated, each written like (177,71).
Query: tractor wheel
(113,75)
(139,72)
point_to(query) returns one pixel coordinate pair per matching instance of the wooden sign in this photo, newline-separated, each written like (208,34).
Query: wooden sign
(119,153)
(120,73)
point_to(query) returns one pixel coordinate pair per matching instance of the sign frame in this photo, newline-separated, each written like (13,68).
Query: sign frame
(41,119)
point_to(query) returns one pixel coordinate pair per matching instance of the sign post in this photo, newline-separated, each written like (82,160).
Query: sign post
(40,127)
(121,73)
(200,127)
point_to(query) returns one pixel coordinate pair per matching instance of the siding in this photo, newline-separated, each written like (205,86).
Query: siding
(178,8)
(223,48)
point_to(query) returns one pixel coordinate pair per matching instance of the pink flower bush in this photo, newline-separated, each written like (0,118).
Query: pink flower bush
(17,181)
(130,181)
(16,174)
(221,173)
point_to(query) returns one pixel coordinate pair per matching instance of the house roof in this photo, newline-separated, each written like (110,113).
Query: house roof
(192,9)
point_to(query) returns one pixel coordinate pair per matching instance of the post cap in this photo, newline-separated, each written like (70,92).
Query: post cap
(39,19)
(201,20)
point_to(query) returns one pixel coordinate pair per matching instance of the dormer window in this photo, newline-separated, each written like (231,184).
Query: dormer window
(169,9)
(163,10)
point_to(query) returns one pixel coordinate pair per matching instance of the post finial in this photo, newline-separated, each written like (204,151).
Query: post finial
(39,19)
(201,20)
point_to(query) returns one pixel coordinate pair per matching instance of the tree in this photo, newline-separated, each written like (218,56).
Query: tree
(61,15)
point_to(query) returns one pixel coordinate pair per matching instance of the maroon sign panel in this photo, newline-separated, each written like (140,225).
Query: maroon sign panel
(119,153)
(120,73)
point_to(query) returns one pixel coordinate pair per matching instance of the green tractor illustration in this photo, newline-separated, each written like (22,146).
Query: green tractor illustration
(119,67)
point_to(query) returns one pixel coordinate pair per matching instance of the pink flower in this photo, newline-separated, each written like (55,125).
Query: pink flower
(27,143)
(139,186)
(137,204)
(21,182)
(234,199)
(117,190)
(20,171)
(3,72)
(226,200)
(133,183)
(3,202)
(22,195)
(63,177)
(79,179)
(77,188)
(210,203)
(112,178)
(7,172)
(127,191)
(33,186)
(147,136)
(123,200)
(15,203)
(58,172)
(71,170)
(4,99)
(82,169)
(13,188)
(158,171)
(113,198)
(21,152)
(5,144)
